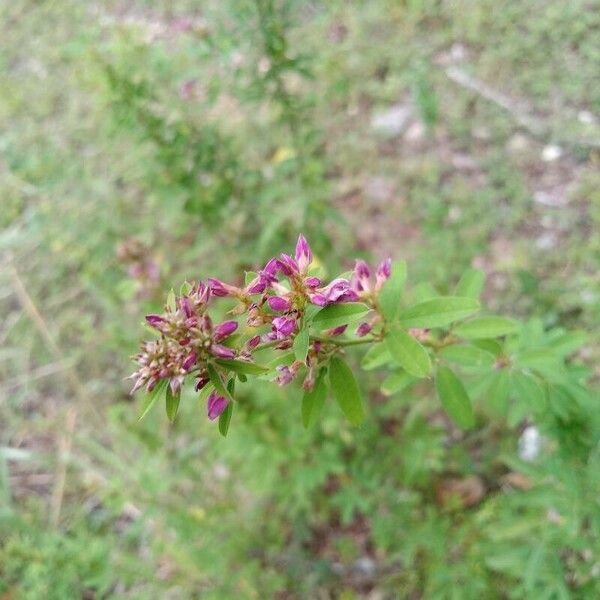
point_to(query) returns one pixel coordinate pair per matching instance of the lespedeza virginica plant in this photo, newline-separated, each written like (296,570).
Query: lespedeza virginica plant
(306,325)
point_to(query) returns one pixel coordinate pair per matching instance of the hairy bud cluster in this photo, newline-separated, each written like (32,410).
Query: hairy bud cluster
(276,301)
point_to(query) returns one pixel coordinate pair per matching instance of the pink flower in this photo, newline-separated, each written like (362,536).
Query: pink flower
(312,282)
(337,291)
(361,277)
(384,270)
(265,278)
(285,375)
(220,289)
(303,254)
(283,327)
(215,405)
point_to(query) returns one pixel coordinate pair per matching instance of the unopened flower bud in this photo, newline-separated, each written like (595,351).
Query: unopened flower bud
(224,330)
(384,270)
(363,329)
(215,405)
(222,351)
(337,330)
(279,304)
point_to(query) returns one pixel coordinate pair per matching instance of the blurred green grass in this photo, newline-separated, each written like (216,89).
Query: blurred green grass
(374,148)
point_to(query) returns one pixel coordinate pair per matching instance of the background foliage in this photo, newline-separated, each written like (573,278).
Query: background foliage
(188,139)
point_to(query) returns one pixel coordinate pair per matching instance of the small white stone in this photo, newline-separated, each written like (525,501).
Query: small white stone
(454,214)
(588,296)
(458,52)
(530,443)
(365,566)
(393,121)
(547,199)
(551,152)
(546,241)
(415,133)
(586,117)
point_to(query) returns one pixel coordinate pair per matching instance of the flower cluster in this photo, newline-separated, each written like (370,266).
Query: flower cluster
(275,305)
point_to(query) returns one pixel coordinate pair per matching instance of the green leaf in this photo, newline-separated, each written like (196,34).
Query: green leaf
(408,353)
(186,288)
(496,394)
(468,356)
(391,293)
(281,359)
(396,382)
(527,389)
(215,379)
(438,312)
(313,401)
(423,291)
(339,314)
(486,327)
(568,343)
(310,311)
(152,397)
(172,404)
(171,302)
(249,277)
(225,419)
(491,346)
(241,366)
(345,390)
(454,398)
(300,345)
(471,284)
(376,356)
(543,360)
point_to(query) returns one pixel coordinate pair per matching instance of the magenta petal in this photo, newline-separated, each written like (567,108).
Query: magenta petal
(222,351)
(318,299)
(285,375)
(256,286)
(384,270)
(347,296)
(253,342)
(220,289)
(312,282)
(337,288)
(224,330)
(189,362)
(303,254)
(362,270)
(278,303)
(283,326)
(337,330)
(154,320)
(186,306)
(363,329)
(287,265)
(271,268)
(215,405)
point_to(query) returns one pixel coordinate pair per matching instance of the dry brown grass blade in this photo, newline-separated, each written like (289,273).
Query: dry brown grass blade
(65,443)
(29,307)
